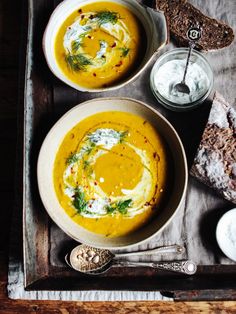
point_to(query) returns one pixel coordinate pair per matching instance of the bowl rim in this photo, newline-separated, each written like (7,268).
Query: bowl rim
(143,65)
(183,156)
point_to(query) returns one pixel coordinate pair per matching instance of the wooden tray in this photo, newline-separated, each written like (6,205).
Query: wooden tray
(45,100)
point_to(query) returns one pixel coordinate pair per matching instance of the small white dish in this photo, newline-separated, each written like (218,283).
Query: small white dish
(226,234)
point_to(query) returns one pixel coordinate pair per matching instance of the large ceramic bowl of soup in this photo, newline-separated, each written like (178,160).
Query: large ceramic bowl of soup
(102,45)
(112,172)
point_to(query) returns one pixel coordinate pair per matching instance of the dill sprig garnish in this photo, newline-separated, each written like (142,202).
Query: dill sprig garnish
(76,44)
(123,135)
(90,148)
(79,201)
(77,62)
(86,163)
(107,17)
(121,207)
(110,209)
(72,158)
(124,51)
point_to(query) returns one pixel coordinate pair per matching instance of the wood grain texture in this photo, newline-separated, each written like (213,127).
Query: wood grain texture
(44,256)
(9,43)
(8,306)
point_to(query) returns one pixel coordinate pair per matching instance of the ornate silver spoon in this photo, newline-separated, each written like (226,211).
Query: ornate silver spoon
(193,34)
(185,267)
(88,259)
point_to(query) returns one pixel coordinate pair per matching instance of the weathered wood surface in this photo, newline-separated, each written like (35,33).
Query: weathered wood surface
(48,100)
(8,306)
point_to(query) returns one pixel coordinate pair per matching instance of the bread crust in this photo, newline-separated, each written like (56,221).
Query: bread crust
(181,15)
(215,160)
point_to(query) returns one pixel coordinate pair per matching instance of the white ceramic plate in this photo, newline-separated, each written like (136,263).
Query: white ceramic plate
(226,234)
(50,147)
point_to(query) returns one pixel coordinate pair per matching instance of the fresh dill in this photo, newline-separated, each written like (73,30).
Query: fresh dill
(123,135)
(87,167)
(76,44)
(77,62)
(89,149)
(110,209)
(79,201)
(124,51)
(107,17)
(86,163)
(72,158)
(121,207)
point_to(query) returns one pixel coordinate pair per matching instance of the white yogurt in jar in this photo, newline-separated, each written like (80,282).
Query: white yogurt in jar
(170,73)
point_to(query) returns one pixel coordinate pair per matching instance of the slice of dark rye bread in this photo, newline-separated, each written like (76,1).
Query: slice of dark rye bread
(215,161)
(181,15)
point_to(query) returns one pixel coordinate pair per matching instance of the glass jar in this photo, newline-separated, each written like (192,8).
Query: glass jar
(169,70)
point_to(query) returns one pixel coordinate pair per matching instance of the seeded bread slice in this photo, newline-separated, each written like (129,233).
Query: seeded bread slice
(181,15)
(215,161)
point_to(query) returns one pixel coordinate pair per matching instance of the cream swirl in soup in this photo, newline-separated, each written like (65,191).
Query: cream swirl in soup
(110,176)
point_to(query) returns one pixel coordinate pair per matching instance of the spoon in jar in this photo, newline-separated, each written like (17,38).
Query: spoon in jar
(193,34)
(85,258)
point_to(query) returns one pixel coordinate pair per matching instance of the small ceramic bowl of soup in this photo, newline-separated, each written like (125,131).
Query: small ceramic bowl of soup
(102,45)
(112,172)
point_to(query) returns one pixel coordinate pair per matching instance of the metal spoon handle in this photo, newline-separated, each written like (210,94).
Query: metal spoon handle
(193,35)
(191,46)
(185,267)
(176,249)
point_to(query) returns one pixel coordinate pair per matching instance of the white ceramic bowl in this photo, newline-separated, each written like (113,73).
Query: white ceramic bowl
(154,23)
(226,234)
(46,162)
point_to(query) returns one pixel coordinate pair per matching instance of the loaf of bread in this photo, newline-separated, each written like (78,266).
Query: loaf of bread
(181,15)
(215,161)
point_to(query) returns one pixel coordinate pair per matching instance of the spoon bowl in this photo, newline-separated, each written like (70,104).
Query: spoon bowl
(182,88)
